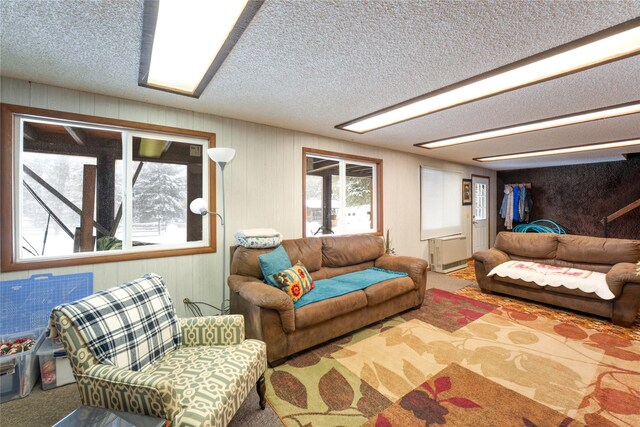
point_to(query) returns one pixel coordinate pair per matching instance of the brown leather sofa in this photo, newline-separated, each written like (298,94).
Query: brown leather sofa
(615,257)
(269,313)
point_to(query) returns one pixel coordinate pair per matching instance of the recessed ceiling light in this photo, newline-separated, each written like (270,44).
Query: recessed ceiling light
(548,123)
(605,46)
(557,151)
(184,42)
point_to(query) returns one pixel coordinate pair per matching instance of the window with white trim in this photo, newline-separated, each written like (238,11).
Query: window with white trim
(342,194)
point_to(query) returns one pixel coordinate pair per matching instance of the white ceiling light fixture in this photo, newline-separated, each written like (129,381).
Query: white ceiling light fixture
(548,123)
(600,48)
(558,151)
(184,42)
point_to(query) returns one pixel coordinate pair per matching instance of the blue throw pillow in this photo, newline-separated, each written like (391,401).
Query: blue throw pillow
(272,263)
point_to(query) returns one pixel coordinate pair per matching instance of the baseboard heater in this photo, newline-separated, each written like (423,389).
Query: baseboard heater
(447,254)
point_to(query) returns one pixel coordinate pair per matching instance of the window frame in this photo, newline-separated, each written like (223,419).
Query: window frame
(10,161)
(347,158)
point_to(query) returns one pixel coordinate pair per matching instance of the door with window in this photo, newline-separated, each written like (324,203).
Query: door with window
(480,214)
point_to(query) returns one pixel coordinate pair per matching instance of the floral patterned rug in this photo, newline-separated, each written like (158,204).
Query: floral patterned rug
(468,273)
(463,361)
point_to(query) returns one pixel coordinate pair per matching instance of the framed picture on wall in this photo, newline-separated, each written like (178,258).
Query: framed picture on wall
(466,192)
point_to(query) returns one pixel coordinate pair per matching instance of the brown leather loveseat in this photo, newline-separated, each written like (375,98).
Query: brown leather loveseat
(269,312)
(615,257)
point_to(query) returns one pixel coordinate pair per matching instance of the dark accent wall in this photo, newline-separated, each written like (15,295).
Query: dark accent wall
(577,197)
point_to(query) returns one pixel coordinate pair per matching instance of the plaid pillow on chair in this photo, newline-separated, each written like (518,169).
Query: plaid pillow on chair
(129,326)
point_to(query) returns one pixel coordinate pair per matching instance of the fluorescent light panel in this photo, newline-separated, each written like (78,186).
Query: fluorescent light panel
(185,41)
(558,151)
(609,45)
(549,123)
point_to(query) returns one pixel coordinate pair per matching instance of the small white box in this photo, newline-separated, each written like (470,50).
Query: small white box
(55,368)
(19,372)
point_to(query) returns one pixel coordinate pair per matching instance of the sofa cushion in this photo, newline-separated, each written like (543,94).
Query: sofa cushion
(129,326)
(597,250)
(272,263)
(384,291)
(528,245)
(549,289)
(338,271)
(340,251)
(328,309)
(212,381)
(295,281)
(308,250)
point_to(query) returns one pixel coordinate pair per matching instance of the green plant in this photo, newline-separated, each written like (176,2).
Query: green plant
(388,249)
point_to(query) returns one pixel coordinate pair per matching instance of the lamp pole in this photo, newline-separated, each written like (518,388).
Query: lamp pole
(221,156)
(224,240)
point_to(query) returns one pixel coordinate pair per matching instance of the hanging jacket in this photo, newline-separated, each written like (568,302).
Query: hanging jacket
(516,203)
(528,206)
(503,208)
(508,214)
(521,203)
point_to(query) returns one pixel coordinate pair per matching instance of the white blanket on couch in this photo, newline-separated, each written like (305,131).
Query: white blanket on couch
(549,275)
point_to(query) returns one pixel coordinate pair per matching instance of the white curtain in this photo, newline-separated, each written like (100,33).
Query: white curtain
(440,203)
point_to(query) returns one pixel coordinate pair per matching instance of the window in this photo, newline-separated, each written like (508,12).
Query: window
(441,213)
(342,194)
(84,189)
(480,201)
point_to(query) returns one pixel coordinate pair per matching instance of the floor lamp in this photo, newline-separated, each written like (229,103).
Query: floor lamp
(221,156)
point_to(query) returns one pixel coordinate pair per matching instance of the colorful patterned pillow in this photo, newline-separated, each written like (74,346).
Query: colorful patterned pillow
(295,281)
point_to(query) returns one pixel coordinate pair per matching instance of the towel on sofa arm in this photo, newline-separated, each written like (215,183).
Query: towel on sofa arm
(346,283)
(128,326)
(550,275)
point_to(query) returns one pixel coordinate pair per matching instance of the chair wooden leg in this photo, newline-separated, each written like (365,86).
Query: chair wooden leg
(261,386)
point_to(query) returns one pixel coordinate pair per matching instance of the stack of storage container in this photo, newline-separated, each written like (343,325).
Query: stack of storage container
(25,307)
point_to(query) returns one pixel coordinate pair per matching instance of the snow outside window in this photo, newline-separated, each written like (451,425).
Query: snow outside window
(341,194)
(85,190)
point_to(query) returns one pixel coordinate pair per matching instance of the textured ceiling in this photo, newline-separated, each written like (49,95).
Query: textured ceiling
(309,65)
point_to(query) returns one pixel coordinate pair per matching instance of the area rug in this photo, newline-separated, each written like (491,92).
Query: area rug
(467,273)
(461,361)
(563,315)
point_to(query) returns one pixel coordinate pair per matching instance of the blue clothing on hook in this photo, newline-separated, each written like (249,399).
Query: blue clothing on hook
(516,202)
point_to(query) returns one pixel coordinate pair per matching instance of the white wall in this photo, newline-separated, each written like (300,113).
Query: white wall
(263,185)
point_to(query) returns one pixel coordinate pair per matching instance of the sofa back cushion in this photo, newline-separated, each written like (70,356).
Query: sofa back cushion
(129,326)
(341,251)
(528,245)
(597,250)
(308,250)
(245,260)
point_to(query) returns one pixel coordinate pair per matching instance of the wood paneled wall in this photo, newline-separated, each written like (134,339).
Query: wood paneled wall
(577,197)
(263,185)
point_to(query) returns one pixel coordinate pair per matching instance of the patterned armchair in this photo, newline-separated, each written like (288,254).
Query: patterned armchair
(200,381)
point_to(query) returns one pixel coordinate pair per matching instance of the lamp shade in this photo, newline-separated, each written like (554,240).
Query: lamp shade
(199,206)
(221,154)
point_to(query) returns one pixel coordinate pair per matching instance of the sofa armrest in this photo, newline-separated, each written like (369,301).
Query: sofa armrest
(212,330)
(121,389)
(416,268)
(265,296)
(621,274)
(491,258)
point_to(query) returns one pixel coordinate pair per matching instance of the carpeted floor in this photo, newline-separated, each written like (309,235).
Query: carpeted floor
(460,361)
(449,362)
